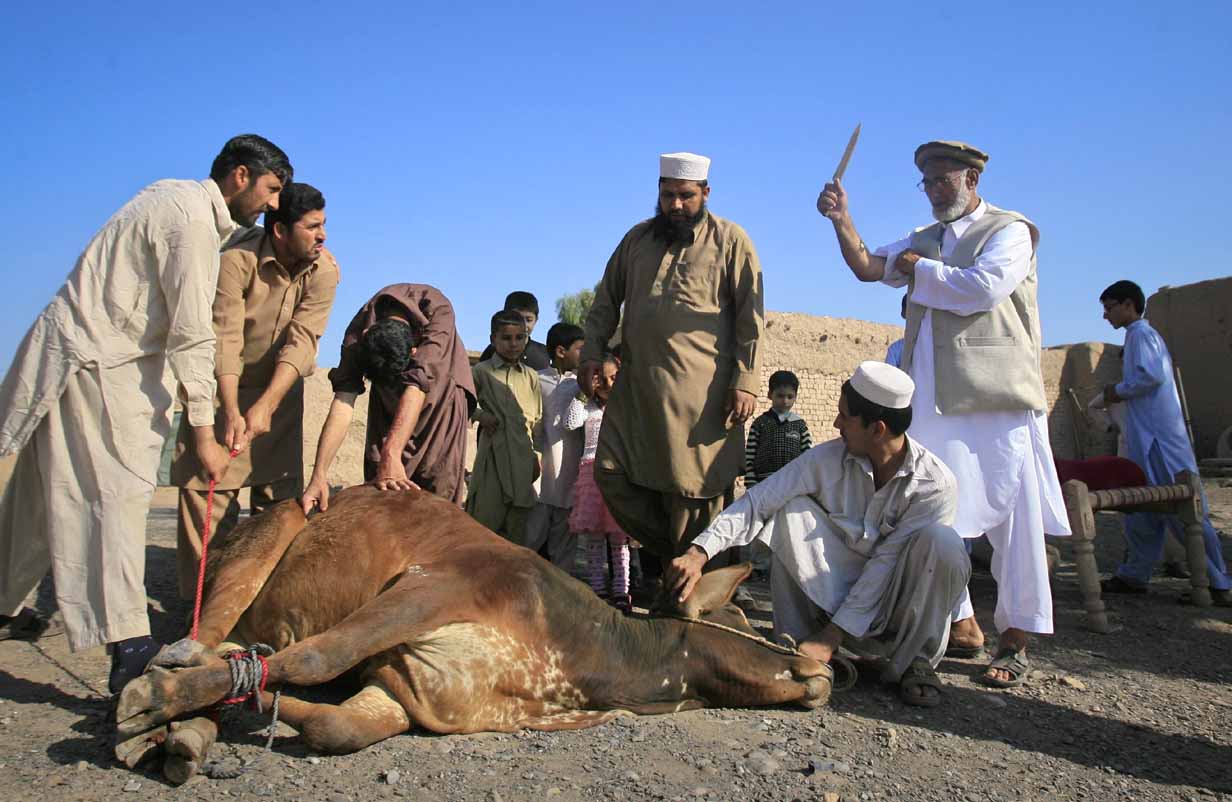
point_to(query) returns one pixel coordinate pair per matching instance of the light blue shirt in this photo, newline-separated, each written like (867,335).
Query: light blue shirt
(1152,406)
(894,354)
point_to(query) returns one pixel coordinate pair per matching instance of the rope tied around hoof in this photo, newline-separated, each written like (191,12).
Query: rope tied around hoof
(249,672)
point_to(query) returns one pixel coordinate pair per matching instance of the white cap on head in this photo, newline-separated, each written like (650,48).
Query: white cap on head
(686,166)
(883,384)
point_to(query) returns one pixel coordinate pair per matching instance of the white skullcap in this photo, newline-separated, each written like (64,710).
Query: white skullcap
(883,384)
(686,166)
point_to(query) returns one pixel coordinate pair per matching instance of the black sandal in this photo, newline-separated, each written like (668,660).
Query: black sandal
(1010,660)
(26,625)
(919,675)
(1115,584)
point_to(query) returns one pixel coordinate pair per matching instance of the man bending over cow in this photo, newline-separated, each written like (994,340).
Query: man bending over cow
(404,341)
(864,555)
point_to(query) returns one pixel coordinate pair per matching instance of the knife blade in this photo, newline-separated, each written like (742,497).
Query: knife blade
(851,147)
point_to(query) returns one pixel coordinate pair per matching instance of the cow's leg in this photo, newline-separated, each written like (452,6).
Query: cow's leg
(238,567)
(417,603)
(369,716)
(187,744)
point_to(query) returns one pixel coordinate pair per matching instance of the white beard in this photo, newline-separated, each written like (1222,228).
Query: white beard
(956,209)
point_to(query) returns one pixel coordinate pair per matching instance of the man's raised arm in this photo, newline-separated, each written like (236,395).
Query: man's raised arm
(832,204)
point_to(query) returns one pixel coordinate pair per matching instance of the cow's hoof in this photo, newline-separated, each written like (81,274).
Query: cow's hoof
(188,743)
(139,748)
(184,653)
(816,691)
(144,702)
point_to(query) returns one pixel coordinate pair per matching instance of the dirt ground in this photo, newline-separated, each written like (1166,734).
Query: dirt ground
(1142,713)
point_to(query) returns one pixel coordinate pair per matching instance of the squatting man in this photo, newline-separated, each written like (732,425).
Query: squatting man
(864,556)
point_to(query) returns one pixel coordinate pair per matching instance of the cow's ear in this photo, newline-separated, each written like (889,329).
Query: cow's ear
(715,589)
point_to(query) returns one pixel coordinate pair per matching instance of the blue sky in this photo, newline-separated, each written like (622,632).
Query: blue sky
(487,148)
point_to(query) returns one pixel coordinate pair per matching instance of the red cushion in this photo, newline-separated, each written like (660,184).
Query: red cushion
(1102,473)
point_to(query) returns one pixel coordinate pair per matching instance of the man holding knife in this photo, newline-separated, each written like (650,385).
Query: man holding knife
(972,346)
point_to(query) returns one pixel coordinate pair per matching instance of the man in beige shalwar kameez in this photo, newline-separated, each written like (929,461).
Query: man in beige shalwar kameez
(275,292)
(87,401)
(690,285)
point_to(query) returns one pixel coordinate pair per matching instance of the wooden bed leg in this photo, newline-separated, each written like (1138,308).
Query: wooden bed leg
(1082,524)
(1190,513)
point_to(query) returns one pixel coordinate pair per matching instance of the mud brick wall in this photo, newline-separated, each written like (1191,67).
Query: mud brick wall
(1195,321)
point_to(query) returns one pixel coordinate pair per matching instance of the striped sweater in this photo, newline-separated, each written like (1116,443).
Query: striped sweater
(773,442)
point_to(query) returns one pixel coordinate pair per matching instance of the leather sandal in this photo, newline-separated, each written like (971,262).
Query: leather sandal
(919,675)
(1013,661)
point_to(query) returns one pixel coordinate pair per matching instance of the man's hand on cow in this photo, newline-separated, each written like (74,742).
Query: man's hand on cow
(258,420)
(740,406)
(391,475)
(683,572)
(316,494)
(235,429)
(905,263)
(823,644)
(832,202)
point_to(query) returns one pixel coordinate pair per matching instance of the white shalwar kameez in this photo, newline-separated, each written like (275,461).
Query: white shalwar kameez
(87,406)
(1008,485)
(1156,439)
(883,563)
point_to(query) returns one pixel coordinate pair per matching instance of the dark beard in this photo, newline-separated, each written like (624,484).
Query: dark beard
(670,231)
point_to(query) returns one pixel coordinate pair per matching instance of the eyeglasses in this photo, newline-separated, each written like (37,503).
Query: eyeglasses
(945,179)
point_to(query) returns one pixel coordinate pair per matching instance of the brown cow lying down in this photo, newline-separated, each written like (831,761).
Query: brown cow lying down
(453,629)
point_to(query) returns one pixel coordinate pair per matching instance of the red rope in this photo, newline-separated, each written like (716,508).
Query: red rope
(205,544)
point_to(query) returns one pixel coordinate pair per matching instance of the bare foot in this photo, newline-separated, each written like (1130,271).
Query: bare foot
(921,695)
(1015,639)
(966,634)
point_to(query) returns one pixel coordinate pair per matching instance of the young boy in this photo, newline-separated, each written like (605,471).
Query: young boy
(526,305)
(778,435)
(1156,439)
(561,448)
(502,492)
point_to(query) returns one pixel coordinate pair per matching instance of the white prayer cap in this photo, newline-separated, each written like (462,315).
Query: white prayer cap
(686,166)
(883,384)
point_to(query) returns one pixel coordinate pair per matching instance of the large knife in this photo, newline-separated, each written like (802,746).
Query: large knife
(851,147)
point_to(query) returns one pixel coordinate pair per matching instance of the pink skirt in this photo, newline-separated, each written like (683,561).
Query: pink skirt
(590,514)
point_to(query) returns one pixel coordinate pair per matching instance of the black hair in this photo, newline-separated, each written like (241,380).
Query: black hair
(1125,290)
(522,301)
(256,153)
(506,317)
(295,201)
(387,346)
(563,335)
(784,378)
(896,420)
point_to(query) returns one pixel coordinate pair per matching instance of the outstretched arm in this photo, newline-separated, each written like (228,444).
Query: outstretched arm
(391,473)
(332,434)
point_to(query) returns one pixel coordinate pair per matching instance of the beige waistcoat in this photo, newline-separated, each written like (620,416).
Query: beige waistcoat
(988,361)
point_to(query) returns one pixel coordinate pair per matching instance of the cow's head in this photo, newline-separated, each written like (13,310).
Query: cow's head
(728,663)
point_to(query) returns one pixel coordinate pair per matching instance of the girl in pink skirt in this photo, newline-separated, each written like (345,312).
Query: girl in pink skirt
(590,519)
